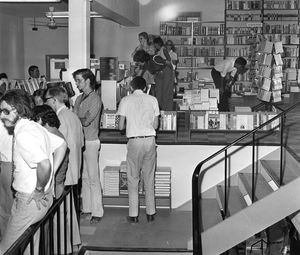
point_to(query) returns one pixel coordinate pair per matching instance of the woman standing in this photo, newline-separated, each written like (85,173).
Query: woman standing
(164,79)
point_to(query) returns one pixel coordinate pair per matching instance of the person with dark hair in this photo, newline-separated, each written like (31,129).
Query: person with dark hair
(139,114)
(163,76)
(4,83)
(88,107)
(45,116)
(71,128)
(224,75)
(35,78)
(37,155)
(38,97)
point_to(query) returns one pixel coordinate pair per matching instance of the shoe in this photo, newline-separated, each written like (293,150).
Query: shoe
(85,215)
(150,217)
(132,219)
(95,219)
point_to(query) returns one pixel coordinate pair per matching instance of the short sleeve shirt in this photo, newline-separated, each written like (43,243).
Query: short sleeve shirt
(226,66)
(5,144)
(33,144)
(140,110)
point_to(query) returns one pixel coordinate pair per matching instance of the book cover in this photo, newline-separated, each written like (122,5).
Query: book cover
(266,84)
(123,184)
(278,47)
(213,121)
(276,84)
(278,59)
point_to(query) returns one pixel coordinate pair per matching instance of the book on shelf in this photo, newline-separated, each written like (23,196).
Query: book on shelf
(168,120)
(266,84)
(264,95)
(266,46)
(278,47)
(213,121)
(278,59)
(277,84)
(276,95)
(109,119)
(244,121)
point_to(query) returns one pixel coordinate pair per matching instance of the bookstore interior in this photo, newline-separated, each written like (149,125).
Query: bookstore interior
(264,32)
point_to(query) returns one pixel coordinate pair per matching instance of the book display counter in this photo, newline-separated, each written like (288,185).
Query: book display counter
(185,138)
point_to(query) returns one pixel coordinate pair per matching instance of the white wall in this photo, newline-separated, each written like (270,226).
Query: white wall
(11,46)
(183,159)
(38,44)
(113,40)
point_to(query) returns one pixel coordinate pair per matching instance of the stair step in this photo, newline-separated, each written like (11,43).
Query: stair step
(211,213)
(290,172)
(262,188)
(236,201)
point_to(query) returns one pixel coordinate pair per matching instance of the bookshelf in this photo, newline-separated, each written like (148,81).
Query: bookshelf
(115,189)
(246,20)
(199,46)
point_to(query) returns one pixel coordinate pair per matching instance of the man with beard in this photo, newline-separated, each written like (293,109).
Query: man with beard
(37,154)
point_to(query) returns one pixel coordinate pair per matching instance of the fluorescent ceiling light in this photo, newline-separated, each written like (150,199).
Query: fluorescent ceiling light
(30,1)
(93,14)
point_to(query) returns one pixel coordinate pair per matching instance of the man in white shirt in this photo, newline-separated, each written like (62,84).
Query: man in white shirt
(37,154)
(6,195)
(141,113)
(224,76)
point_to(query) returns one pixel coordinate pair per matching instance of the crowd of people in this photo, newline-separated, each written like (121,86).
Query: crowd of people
(156,62)
(46,145)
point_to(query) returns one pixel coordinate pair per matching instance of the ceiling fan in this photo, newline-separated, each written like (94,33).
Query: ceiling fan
(51,23)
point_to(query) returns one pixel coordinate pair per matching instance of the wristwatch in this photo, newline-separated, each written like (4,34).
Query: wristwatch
(39,189)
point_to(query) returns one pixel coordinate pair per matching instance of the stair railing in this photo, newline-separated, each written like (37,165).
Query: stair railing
(198,175)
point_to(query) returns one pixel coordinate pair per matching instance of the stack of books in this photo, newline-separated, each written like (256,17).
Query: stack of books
(162,182)
(111,181)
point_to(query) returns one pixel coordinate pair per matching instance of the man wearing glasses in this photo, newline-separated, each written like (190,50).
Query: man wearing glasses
(36,156)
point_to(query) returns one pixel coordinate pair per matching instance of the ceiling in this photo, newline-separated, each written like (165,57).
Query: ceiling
(37,10)
(31,9)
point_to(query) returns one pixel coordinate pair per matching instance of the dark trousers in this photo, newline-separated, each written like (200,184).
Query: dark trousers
(225,92)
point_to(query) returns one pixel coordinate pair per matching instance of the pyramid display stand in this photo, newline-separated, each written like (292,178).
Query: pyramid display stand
(270,72)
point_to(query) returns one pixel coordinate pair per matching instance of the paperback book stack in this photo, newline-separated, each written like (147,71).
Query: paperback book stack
(162,182)
(270,71)
(111,181)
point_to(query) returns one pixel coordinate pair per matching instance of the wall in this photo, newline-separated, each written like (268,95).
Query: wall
(11,46)
(110,39)
(114,40)
(124,11)
(43,42)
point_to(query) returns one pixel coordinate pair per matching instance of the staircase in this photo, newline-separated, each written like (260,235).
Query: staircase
(245,218)
(248,201)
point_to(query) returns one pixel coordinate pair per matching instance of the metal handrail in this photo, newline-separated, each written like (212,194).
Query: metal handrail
(26,238)
(196,190)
